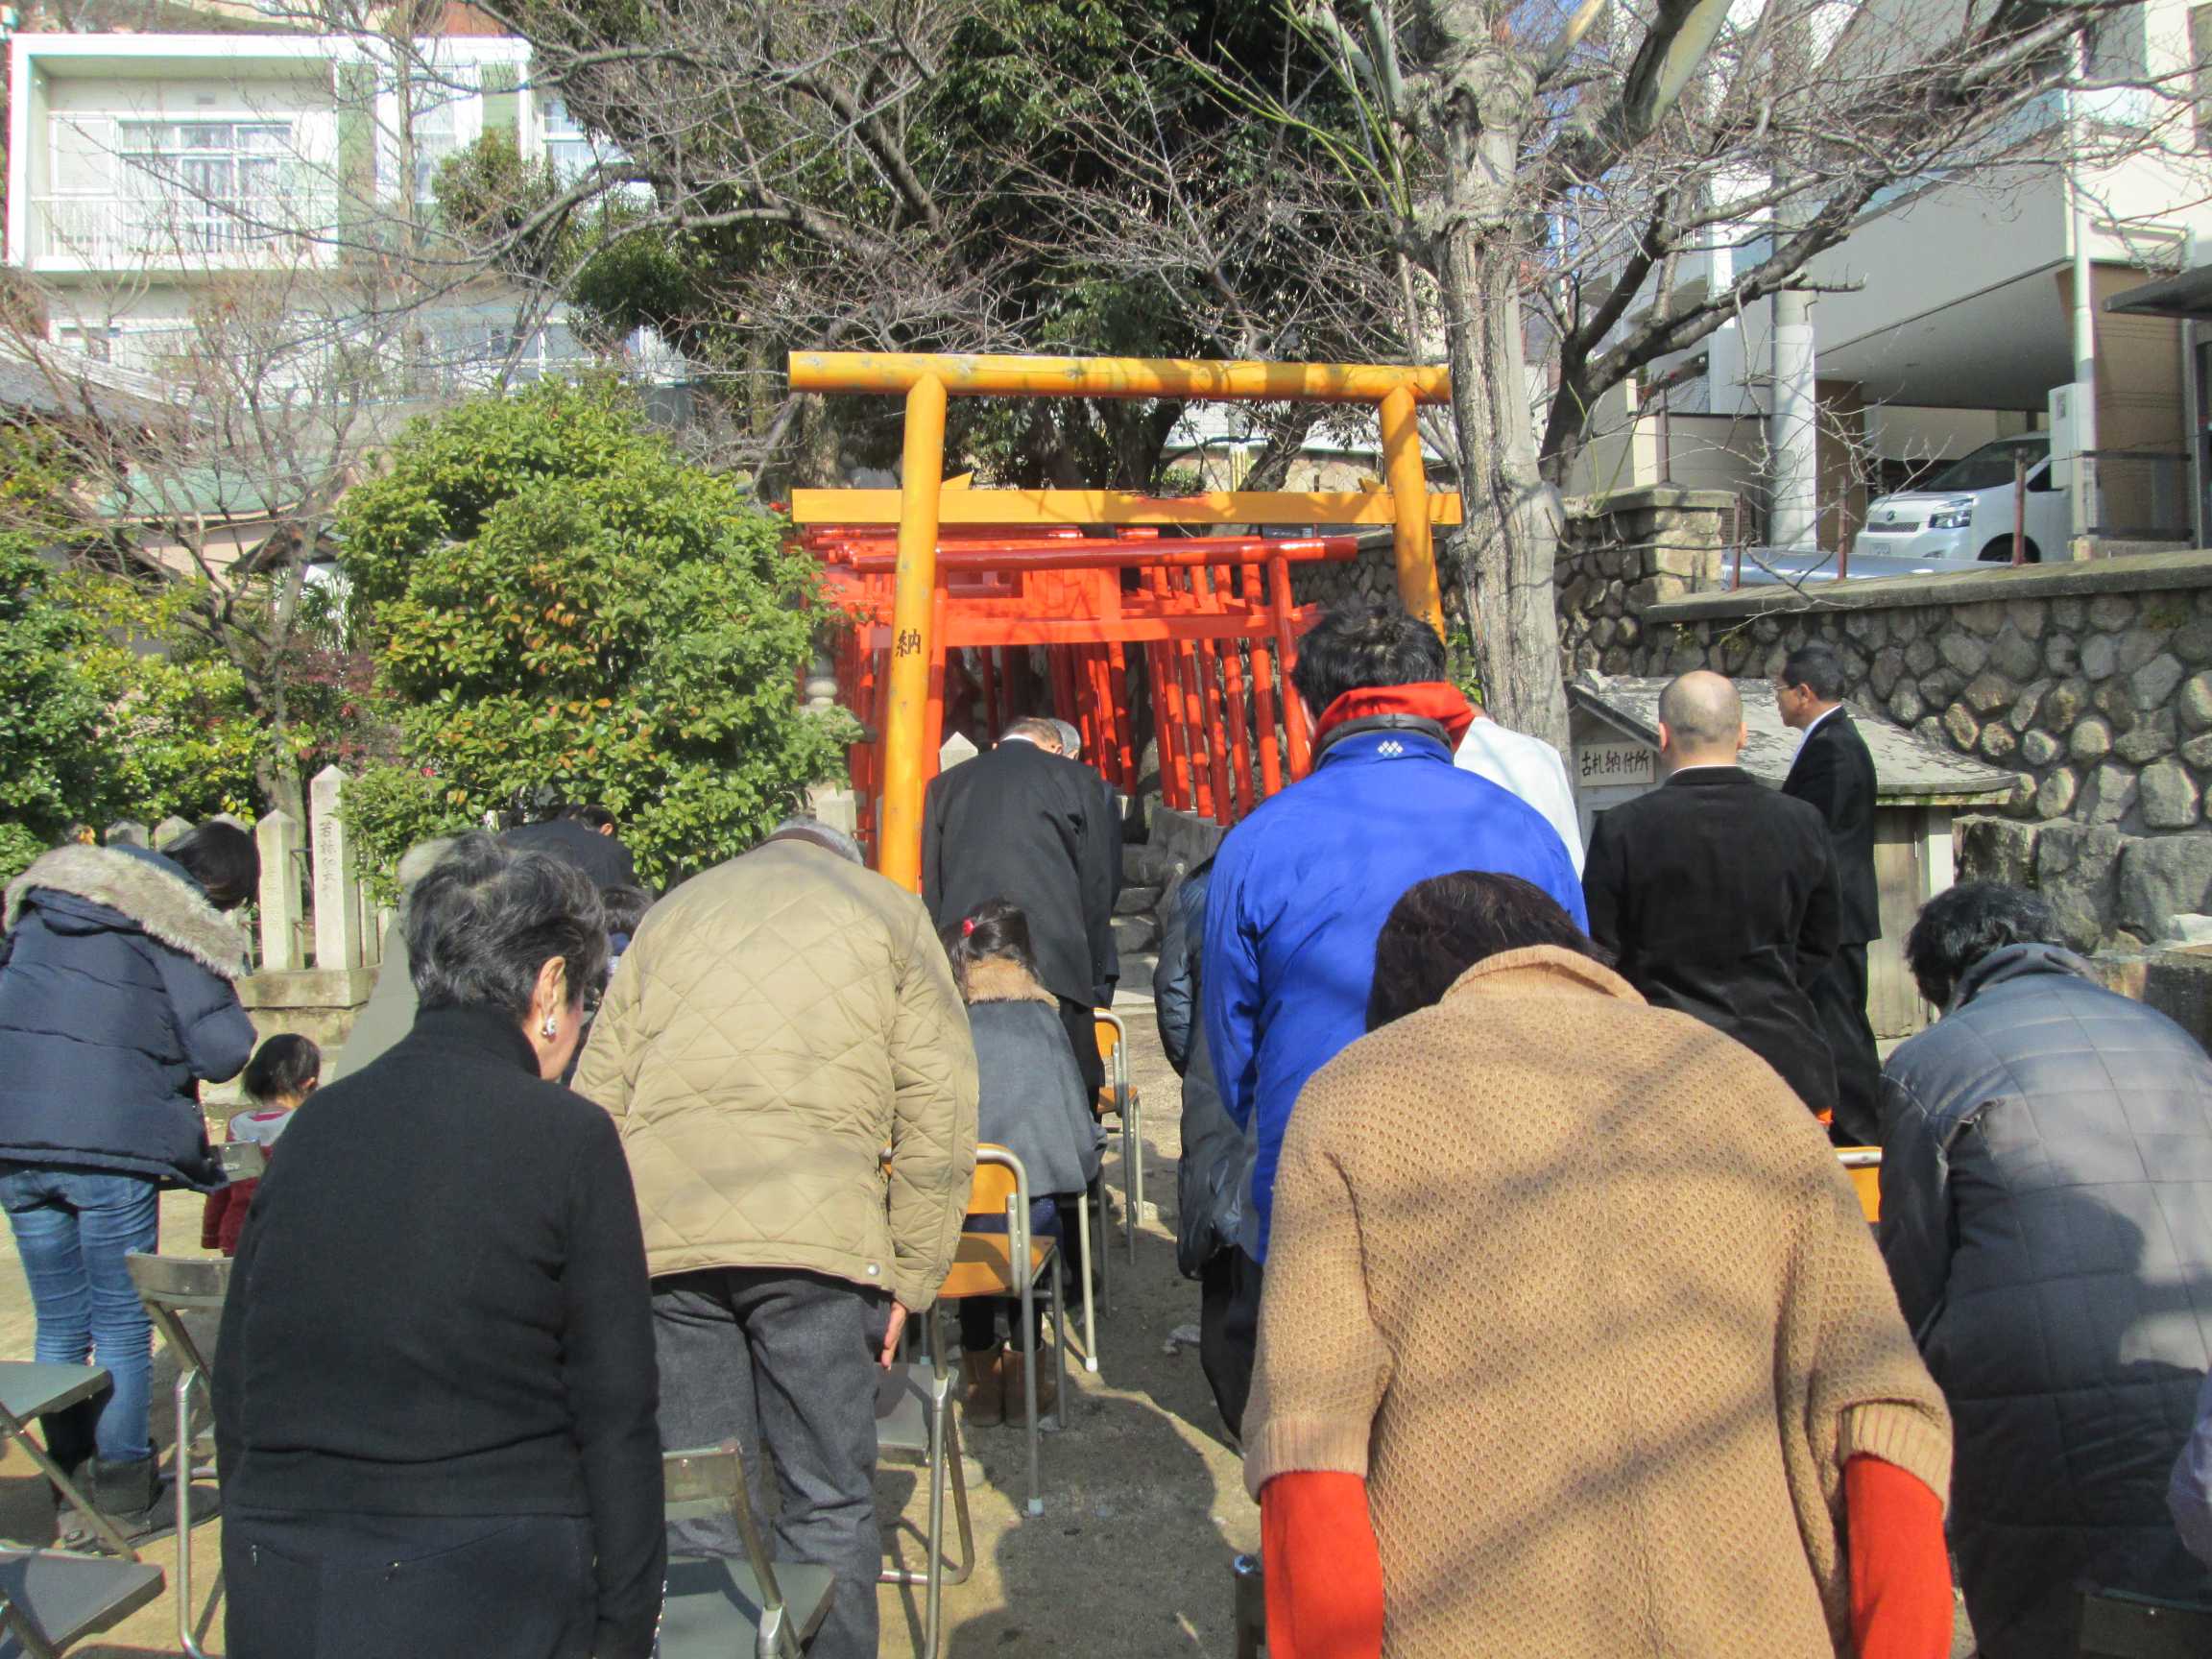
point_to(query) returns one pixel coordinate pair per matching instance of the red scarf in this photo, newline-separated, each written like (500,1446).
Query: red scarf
(1437,700)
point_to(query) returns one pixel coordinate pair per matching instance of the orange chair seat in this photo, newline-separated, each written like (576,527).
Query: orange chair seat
(1106,1106)
(1866,1178)
(983,1265)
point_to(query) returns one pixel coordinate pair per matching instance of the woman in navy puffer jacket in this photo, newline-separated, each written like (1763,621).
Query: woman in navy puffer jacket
(116,1000)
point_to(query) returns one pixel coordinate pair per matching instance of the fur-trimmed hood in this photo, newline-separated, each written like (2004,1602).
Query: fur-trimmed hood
(150,892)
(995,980)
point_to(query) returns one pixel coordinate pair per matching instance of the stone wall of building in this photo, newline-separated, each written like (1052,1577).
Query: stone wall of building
(1621,555)
(2093,680)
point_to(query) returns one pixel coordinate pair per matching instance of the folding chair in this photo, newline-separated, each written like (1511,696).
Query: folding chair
(51,1599)
(1864,1165)
(914,1417)
(1120,1098)
(172,1286)
(714,1604)
(1250,1618)
(2119,1624)
(983,1265)
(30,1389)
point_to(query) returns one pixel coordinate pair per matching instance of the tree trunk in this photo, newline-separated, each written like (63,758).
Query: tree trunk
(1512,516)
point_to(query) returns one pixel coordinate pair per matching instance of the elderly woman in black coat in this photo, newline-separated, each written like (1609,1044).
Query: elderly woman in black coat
(117,1001)
(435,1408)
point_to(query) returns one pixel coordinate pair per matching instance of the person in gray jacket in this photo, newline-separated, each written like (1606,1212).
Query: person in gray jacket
(2047,1219)
(1210,1173)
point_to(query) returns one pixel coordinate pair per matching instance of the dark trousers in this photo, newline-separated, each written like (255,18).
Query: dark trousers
(1839,1001)
(1229,1330)
(431,1587)
(1083,1037)
(785,1362)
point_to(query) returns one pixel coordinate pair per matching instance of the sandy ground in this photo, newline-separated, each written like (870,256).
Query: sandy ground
(1144,1503)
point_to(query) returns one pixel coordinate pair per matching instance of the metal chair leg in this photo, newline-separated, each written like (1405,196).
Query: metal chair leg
(1132,1179)
(1060,1344)
(184,1381)
(1089,1312)
(110,1533)
(933,1593)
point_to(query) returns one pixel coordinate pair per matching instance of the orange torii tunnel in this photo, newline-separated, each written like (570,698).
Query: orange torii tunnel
(975,579)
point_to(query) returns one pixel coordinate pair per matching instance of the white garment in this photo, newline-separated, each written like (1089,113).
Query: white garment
(1528,767)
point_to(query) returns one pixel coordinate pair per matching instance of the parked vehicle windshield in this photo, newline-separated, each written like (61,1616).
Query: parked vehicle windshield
(1987,468)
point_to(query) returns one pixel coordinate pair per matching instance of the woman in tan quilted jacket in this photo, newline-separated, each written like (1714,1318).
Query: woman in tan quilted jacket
(1575,1341)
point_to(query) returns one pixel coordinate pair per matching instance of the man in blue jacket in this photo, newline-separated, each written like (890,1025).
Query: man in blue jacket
(1301,889)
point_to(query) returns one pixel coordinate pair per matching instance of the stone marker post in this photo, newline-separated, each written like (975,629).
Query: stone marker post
(125,832)
(954,749)
(283,935)
(169,829)
(337,900)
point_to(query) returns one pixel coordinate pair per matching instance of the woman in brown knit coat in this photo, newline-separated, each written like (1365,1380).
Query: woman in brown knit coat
(1575,1341)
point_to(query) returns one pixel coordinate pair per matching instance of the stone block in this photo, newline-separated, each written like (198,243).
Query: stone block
(1998,741)
(2153,683)
(2139,646)
(2025,706)
(1136,901)
(2069,613)
(2054,795)
(2077,871)
(2101,655)
(1133,934)
(2060,655)
(2162,876)
(1905,705)
(2153,737)
(1986,692)
(1676,559)
(1919,657)
(2091,740)
(2169,796)
(1993,849)
(2110,613)
(1984,618)
(2014,654)
(2110,799)
(2118,708)
(2195,703)
(2191,642)
(1930,729)
(2198,752)
(1629,631)
(2062,705)
(2039,749)
(1962,727)
(2028,616)
(1887,666)
(1962,652)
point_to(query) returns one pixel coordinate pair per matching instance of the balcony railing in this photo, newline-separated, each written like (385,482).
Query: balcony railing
(118,233)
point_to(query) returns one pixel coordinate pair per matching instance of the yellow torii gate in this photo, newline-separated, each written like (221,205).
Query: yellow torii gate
(921,505)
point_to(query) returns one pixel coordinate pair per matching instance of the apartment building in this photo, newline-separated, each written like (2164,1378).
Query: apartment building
(155,178)
(1948,317)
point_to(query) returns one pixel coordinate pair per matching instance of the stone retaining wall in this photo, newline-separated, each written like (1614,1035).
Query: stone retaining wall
(2093,680)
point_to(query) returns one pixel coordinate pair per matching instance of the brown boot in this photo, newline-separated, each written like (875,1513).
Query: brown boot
(984,1405)
(1047,1387)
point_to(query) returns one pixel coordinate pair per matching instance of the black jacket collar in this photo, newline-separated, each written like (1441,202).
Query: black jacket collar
(1703,777)
(1384,723)
(477,1030)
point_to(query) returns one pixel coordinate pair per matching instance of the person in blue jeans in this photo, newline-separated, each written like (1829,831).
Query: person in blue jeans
(117,999)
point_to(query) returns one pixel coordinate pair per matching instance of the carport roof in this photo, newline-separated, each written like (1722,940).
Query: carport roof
(2187,296)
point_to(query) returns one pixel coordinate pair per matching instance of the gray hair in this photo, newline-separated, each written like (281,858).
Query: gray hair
(419,859)
(1034,728)
(802,826)
(485,919)
(1071,741)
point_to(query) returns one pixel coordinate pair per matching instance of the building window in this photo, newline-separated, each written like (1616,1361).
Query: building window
(203,187)
(569,149)
(88,340)
(434,102)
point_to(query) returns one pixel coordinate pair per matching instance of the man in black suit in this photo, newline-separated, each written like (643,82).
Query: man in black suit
(1024,824)
(1834,774)
(583,836)
(1718,895)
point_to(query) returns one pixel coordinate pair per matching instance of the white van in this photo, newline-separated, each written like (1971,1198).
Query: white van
(1965,513)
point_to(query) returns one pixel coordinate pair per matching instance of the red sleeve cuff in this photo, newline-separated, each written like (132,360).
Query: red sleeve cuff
(1324,1573)
(1901,1604)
